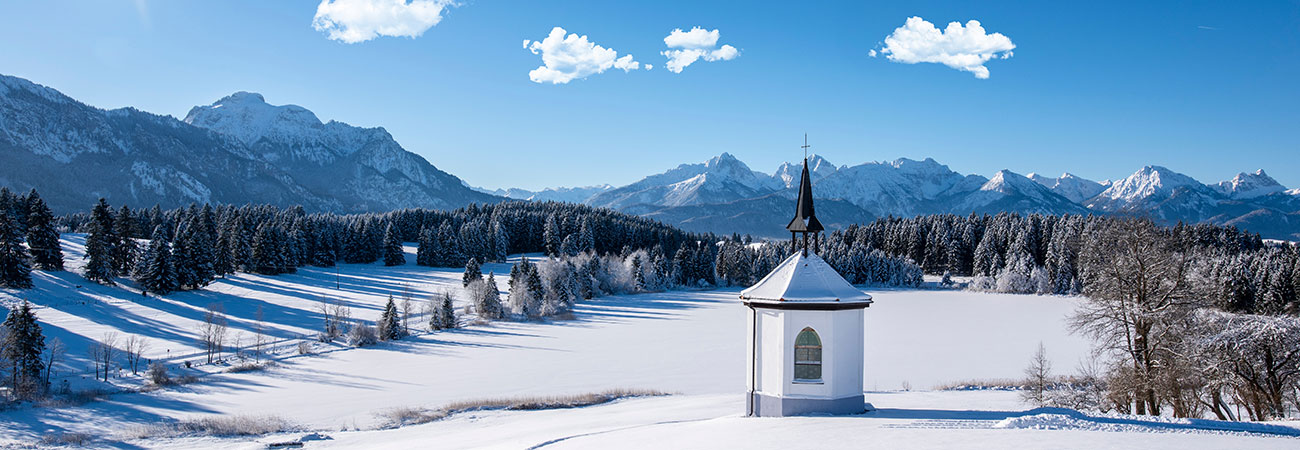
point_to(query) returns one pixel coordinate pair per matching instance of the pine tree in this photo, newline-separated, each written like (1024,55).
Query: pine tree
(182,259)
(125,250)
(42,237)
(156,271)
(533,282)
(15,268)
(489,301)
(551,236)
(447,312)
(426,248)
(100,243)
(638,273)
(444,314)
(393,254)
(390,323)
(473,272)
(266,250)
(22,349)
(501,241)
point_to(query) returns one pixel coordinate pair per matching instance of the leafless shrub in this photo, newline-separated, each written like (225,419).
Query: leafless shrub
(362,335)
(239,425)
(158,374)
(66,439)
(991,384)
(397,417)
(304,348)
(251,367)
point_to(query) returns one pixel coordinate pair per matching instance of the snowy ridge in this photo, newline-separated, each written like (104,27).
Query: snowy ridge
(1072,187)
(1249,185)
(238,150)
(562,194)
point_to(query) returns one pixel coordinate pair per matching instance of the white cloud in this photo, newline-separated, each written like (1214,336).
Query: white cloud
(962,48)
(354,21)
(686,47)
(565,58)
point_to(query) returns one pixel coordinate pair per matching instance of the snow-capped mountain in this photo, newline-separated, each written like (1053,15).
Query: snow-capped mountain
(237,150)
(788,173)
(569,195)
(705,197)
(1009,191)
(1160,193)
(903,187)
(1075,188)
(719,180)
(1249,185)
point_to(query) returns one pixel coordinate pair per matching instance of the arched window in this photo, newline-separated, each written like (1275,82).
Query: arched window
(807,356)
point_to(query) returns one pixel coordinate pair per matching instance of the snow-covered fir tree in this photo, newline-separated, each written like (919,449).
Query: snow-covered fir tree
(156,271)
(22,348)
(42,236)
(390,322)
(100,245)
(488,300)
(15,263)
(473,272)
(393,254)
(444,313)
(125,250)
(426,247)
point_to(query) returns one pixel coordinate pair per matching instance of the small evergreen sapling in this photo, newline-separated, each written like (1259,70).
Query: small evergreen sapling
(390,322)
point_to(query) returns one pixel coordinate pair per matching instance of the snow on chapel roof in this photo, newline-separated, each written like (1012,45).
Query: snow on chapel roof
(806,279)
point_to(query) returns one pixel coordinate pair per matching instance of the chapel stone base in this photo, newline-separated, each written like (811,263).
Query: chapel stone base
(769,406)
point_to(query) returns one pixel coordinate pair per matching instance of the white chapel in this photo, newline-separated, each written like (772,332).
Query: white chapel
(805,329)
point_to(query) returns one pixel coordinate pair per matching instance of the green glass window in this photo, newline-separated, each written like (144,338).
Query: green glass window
(807,356)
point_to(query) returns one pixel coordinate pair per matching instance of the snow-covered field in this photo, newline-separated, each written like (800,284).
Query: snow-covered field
(688,343)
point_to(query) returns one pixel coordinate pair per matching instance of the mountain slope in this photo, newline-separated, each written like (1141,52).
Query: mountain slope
(1070,186)
(1249,185)
(362,168)
(719,180)
(74,154)
(238,150)
(1009,191)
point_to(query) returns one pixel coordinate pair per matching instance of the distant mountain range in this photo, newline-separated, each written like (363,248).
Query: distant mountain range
(242,149)
(237,150)
(724,195)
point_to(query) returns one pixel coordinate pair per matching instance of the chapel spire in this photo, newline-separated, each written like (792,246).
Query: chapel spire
(805,220)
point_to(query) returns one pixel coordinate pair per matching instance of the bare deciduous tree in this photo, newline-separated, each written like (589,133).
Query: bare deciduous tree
(54,352)
(1135,279)
(134,347)
(102,353)
(1038,378)
(212,333)
(259,334)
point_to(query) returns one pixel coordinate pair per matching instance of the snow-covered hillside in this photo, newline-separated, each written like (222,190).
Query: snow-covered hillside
(691,343)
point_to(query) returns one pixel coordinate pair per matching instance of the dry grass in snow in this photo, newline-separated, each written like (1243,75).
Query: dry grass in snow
(398,417)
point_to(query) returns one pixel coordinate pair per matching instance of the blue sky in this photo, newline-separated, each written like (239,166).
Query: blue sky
(1096,88)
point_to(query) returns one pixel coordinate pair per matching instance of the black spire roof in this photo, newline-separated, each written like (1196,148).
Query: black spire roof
(804,219)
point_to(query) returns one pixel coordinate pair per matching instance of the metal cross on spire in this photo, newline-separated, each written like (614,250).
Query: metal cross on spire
(805,146)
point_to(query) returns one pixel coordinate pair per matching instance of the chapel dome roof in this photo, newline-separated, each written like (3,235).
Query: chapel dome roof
(804,279)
